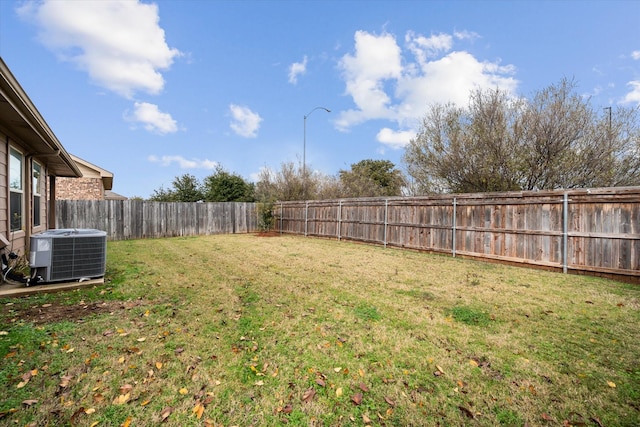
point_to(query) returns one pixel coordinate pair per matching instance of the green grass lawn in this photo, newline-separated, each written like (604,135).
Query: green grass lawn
(239,330)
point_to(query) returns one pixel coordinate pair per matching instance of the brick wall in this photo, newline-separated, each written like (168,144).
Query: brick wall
(79,189)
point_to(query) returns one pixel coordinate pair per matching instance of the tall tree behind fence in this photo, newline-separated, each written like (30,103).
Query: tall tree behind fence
(136,219)
(595,231)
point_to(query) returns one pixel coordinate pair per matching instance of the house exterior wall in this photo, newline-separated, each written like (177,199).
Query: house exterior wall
(85,188)
(18,239)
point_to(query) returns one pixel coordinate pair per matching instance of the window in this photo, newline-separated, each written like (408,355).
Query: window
(15,189)
(37,180)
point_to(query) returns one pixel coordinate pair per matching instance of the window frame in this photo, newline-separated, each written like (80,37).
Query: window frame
(36,184)
(16,225)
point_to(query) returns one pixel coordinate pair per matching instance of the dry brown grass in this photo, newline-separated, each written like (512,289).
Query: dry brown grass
(247,326)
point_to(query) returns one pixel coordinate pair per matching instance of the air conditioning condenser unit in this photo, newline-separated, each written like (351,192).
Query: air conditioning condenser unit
(68,255)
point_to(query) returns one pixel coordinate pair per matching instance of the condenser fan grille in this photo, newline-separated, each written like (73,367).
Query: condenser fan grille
(68,254)
(77,257)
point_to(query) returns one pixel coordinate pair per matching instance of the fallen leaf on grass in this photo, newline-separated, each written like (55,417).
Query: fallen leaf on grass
(308,395)
(125,388)
(183,391)
(127,422)
(611,384)
(165,413)
(547,417)
(158,365)
(25,379)
(7,412)
(64,381)
(363,387)
(89,411)
(357,398)
(198,410)
(366,419)
(473,362)
(320,382)
(29,402)
(466,412)
(389,401)
(339,392)
(74,417)
(121,399)
(287,409)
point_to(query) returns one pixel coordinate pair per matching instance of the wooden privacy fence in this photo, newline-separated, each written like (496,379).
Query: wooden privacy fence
(596,231)
(136,219)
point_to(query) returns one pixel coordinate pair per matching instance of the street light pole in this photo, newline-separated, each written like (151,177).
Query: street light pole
(304,151)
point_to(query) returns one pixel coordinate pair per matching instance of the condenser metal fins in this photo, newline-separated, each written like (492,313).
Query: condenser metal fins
(68,254)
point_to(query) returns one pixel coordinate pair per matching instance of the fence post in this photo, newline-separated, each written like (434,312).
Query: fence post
(386,210)
(453,229)
(306,217)
(339,218)
(281,215)
(565,232)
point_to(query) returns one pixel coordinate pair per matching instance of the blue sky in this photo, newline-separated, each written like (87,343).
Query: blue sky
(155,90)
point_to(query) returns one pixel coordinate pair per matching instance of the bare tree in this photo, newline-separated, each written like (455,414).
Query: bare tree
(288,183)
(499,143)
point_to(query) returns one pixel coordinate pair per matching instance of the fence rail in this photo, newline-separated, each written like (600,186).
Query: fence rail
(136,219)
(595,231)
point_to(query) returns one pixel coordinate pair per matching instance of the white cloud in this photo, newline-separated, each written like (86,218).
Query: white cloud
(635,54)
(633,97)
(466,35)
(245,122)
(118,43)
(395,139)
(390,83)
(152,118)
(183,163)
(376,59)
(296,69)
(428,47)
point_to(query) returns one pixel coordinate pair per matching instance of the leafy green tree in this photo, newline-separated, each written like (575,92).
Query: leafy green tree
(371,178)
(185,188)
(223,186)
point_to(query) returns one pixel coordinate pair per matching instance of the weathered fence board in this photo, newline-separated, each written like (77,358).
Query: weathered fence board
(596,230)
(137,219)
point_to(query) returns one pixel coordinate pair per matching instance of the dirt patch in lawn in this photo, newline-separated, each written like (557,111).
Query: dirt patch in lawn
(56,312)
(267,234)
